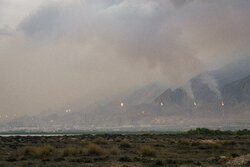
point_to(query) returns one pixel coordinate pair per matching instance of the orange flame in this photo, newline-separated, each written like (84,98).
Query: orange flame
(68,110)
(222,104)
(195,104)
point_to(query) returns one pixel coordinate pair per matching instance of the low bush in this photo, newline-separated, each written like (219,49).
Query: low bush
(118,139)
(36,152)
(125,159)
(229,143)
(216,145)
(45,150)
(70,152)
(205,131)
(93,149)
(114,150)
(243,132)
(83,142)
(101,140)
(29,151)
(148,151)
(195,143)
(184,141)
(125,143)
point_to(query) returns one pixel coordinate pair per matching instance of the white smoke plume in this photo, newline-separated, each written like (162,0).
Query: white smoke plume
(82,51)
(212,84)
(188,88)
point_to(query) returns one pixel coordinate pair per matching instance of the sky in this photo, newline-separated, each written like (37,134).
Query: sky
(80,52)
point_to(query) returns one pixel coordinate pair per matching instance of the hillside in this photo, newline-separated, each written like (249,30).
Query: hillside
(151,106)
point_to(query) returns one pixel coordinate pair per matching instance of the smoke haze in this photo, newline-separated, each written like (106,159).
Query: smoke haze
(81,52)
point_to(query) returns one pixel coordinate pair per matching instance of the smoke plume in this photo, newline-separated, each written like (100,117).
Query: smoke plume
(211,82)
(84,51)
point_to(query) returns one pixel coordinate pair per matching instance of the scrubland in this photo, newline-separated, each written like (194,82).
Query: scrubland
(193,148)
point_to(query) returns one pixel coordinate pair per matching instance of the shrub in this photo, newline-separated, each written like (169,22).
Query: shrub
(229,143)
(216,145)
(118,139)
(170,161)
(70,152)
(114,150)
(234,155)
(125,143)
(45,150)
(159,162)
(93,149)
(37,152)
(29,151)
(195,143)
(50,140)
(205,131)
(125,159)
(184,141)
(101,140)
(243,132)
(83,142)
(247,142)
(148,151)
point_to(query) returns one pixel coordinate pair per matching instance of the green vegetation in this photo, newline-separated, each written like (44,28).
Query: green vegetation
(205,131)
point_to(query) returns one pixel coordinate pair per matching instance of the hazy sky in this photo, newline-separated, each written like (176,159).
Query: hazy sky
(77,52)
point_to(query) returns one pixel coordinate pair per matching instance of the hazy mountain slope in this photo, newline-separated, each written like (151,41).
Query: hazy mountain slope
(232,72)
(152,105)
(234,95)
(144,95)
(238,90)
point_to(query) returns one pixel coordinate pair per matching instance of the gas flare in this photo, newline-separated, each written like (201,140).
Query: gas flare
(162,104)
(122,104)
(195,104)
(222,103)
(68,110)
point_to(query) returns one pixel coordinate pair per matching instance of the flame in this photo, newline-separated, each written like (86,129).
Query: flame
(222,103)
(161,104)
(68,110)
(122,104)
(195,104)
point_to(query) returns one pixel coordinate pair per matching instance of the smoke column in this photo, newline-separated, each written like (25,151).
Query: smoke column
(212,84)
